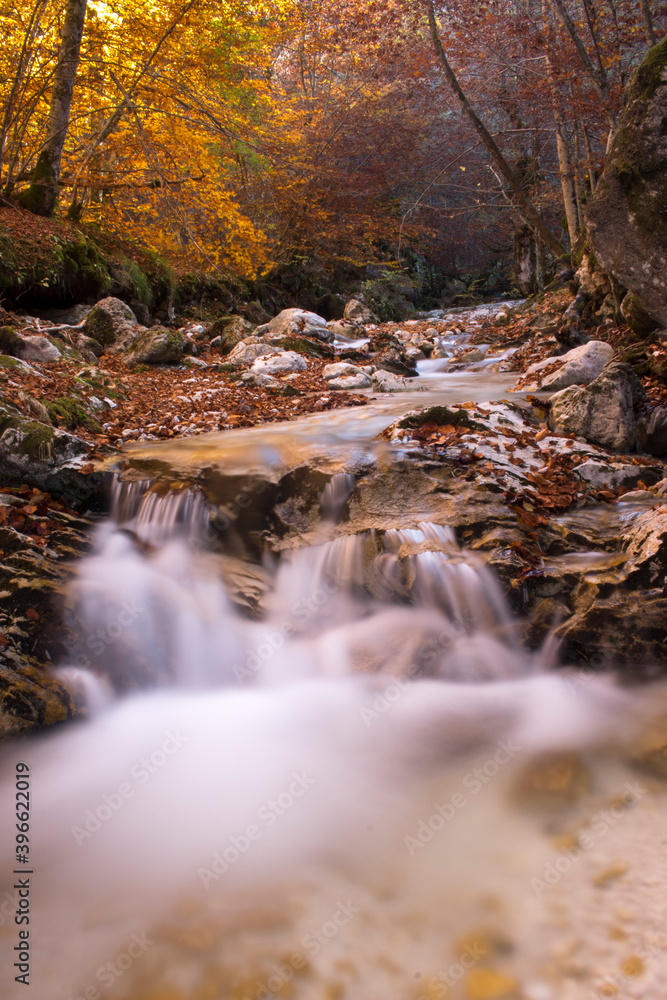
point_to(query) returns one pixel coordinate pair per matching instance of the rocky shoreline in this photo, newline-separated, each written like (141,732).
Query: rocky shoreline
(562,493)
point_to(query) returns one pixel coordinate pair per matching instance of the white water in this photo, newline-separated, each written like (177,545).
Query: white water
(293,808)
(324,804)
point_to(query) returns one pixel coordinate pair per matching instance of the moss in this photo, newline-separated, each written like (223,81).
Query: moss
(36,440)
(68,413)
(9,340)
(649,74)
(302,345)
(438,415)
(285,390)
(7,362)
(8,420)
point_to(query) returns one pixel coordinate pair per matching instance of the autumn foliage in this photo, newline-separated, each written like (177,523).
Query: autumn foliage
(247,137)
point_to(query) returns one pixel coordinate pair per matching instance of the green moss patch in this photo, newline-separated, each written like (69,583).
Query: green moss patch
(68,413)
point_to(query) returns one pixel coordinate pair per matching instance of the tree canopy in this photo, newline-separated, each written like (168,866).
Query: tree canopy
(248,137)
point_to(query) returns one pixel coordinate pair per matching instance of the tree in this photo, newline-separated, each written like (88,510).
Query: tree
(523,203)
(42,195)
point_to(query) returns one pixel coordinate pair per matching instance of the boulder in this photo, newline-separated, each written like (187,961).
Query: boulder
(231,330)
(636,317)
(603,412)
(609,475)
(652,432)
(299,323)
(626,217)
(579,366)
(110,322)
(258,380)
(37,349)
(256,314)
(358,381)
(280,364)
(384,381)
(157,346)
(41,455)
(247,351)
(344,331)
(342,369)
(390,355)
(27,348)
(357,311)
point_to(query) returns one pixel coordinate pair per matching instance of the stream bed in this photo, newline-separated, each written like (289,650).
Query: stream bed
(318,761)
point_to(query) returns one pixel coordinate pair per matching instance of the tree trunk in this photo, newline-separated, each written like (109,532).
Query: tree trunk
(522,202)
(524,260)
(42,195)
(648,23)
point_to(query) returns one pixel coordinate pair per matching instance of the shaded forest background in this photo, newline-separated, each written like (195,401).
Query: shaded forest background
(437,148)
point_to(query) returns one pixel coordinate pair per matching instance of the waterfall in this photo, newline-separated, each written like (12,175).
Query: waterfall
(355,795)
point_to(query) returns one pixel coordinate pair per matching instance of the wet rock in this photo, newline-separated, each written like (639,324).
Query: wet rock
(552,781)
(30,697)
(249,350)
(608,475)
(652,432)
(111,323)
(357,311)
(627,629)
(299,322)
(157,346)
(384,381)
(302,345)
(625,216)
(345,331)
(280,364)
(578,367)
(341,369)
(651,752)
(389,354)
(350,382)
(646,548)
(603,413)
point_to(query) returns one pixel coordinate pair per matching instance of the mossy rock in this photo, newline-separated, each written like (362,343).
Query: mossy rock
(304,345)
(36,440)
(626,216)
(158,346)
(69,413)
(440,415)
(10,341)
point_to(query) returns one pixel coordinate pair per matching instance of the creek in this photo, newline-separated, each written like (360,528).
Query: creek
(357,784)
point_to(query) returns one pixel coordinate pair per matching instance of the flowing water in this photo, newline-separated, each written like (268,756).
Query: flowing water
(369,791)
